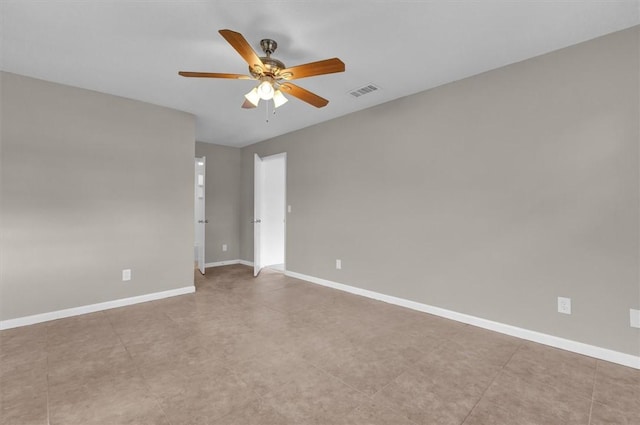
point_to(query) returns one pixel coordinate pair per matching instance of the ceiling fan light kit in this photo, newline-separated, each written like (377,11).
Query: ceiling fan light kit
(272,74)
(253,97)
(279,99)
(265,89)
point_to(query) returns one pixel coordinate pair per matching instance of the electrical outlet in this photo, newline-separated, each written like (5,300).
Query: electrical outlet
(339,264)
(224,246)
(564,305)
(126,275)
(288,208)
(634,317)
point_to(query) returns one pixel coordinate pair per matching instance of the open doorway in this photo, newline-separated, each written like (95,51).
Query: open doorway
(269,212)
(199,220)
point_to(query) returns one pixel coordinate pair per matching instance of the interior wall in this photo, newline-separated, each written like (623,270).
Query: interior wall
(273,210)
(222,201)
(490,196)
(91,184)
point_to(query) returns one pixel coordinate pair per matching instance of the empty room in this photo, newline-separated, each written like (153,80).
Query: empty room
(320,212)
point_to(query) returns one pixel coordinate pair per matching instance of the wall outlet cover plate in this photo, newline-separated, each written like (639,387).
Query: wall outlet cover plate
(634,317)
(564,305)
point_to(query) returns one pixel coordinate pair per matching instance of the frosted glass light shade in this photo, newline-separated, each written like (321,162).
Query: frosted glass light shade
(265,90)
(253,96)
(279,99)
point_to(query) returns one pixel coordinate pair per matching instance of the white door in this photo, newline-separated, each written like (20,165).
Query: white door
(200,220)
(272,214)
(257,206)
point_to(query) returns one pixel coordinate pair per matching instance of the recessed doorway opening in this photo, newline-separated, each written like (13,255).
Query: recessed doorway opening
(269,212)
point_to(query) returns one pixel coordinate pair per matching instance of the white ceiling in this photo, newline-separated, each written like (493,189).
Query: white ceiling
(135,49)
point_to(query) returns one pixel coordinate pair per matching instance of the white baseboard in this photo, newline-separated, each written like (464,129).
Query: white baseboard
(553,341)
(228,262)
(221,263)
(92,308)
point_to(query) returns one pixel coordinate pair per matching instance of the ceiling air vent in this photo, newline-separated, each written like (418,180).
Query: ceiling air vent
(369,88)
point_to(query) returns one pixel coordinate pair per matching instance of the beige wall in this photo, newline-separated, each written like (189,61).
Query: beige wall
(222,201)
(91,184)
(490,196)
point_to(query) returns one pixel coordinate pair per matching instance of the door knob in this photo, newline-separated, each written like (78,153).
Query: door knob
(203,221)
(256,221)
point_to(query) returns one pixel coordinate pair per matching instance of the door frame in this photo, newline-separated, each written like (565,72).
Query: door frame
(200,220)
(260,187)
(257,211)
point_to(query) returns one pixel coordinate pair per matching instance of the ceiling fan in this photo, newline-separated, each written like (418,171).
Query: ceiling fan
(273,75)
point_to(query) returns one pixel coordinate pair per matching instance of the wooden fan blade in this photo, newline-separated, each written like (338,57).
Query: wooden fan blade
(304,95)
(248,105)
(327,66)
(214,75)
(241,45)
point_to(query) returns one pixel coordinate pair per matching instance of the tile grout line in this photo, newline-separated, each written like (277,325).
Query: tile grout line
(229,368)
(593,391)
(317,367)
(155,399)
(552,386)
(258,397)
(441,344)
(394,408)
(387,405)
(312,365)
(491,383)
(46,350)
(342,382)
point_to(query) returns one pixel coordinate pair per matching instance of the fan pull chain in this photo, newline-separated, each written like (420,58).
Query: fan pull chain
(266,109)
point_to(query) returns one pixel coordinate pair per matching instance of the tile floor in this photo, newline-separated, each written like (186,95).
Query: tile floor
(276,350)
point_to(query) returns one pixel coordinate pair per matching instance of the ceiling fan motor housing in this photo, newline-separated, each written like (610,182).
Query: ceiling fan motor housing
(268,46)
(272,66)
